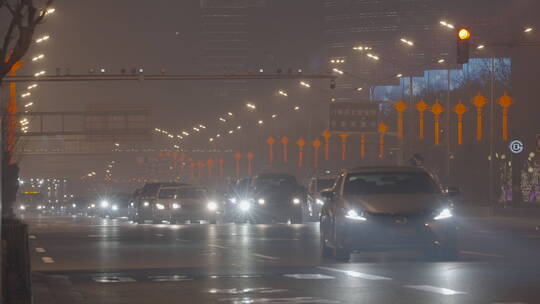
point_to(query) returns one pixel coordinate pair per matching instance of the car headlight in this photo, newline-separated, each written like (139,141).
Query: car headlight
(296,201)
(104,204)
(261,201)
(160,206)
(212,206)
(444,214)
(93,206)
(233,200)
(244,206)
(22,207)
(353,215)
(114,207)
(146,204)
(74,205)
(319,202)
(132,204)
(175,206)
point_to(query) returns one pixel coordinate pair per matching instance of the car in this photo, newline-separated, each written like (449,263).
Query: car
(145,202)
(178,204)
(237,192)
(273,197)
(315,201)
(385,208)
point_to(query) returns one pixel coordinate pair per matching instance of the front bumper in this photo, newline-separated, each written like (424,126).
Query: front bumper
(396,233)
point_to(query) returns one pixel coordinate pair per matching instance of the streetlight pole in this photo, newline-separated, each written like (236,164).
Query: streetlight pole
(491,129)
(448,132)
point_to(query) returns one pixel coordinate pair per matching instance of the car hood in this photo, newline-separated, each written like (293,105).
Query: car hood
(398,204)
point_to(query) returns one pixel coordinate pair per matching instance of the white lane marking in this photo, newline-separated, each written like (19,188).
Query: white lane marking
(112,279)
(40,249)
(170,278)
(217,246)
(31,236)
(491,255)
(273,300)
(435,289)
(265,256)
(356,274)
(158,234)
(181,240)
(47,260)
(308,276)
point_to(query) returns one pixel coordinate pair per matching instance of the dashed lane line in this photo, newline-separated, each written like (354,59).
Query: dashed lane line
(217,246)
(356,274)
(40,250)
(265,256)
(32,237)
(491,255)
(435,289)
(47,260)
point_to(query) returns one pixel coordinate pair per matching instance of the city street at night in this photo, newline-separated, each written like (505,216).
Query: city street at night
(91,260)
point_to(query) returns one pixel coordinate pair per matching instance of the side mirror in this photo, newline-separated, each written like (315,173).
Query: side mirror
(453,191)
(328,193)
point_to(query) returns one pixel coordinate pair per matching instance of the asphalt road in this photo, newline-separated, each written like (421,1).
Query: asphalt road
(91,260)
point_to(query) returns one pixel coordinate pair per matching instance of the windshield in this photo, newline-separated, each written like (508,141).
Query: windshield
(275,181)
(192,193)
(325,183)
(167,193)
(389,183)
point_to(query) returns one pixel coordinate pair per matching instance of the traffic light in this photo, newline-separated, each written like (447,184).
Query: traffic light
(463,35)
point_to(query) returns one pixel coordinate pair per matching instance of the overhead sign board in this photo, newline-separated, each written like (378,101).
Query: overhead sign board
(353,117)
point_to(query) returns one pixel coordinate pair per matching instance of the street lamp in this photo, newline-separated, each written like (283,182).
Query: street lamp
(32,86)
(407,42)
(528,29)
(373,56)
(283,93)
(447,25)
(480,47)
(338,71)
(42,39)
(251,106)
(38,57)
(399,75)
(305,84)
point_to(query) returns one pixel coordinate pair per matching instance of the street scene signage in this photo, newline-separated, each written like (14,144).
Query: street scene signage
(353,117)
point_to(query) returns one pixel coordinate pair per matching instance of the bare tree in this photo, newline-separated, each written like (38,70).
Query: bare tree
(23,16)
(18,22)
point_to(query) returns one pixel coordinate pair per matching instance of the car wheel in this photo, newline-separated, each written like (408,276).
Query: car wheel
(342,254)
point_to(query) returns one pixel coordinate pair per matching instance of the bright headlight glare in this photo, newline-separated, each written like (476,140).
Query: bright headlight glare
(104,204)
(353,215)
(319,202)
(146,204)
(160,206)
(261,201)
(175,206)
(212,206)
(296,201)
(22,207)
(444,214)
(233,200)
(244,206)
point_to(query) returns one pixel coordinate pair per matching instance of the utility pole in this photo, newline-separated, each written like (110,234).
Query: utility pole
(448,131)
